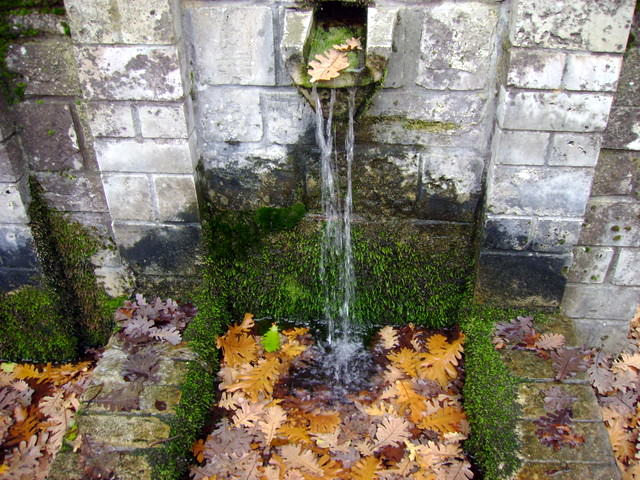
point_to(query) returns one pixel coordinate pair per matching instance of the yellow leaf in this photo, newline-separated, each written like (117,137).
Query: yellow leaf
(297,457)
(198,450)
(327,65)
(295,332)
(237,346)
(295,433)
(443,420)
(406,360)
(408,399)
(440,362)
(365,469)
(323,422)
(352,44)
(259,380)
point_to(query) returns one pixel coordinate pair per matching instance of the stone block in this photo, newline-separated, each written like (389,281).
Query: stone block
(177,200)
(230,115)
(612,222)
(520,280)
(130,72)
(556,236)
(504,233)
(160,399)
(520,148)
(289,118)
(626,270)
(116,282)
(124,431)
(7,120)
(590,264)
(540,69)
(163,121)
(623,130)
(600,301)
(381,23)
(628,85)
(233,45)
(93,21)
(111,120)
(575,150)
(609,335)
(592,72)
(42,22)
(14,200)
(560,111)
(17,248)
(617,173)
(79,192)
(538,191)
(46,66)
(144,157)
(601,26)
(49,136)
(456,46)
(531,398)
(129,197)
(12,166)
(147,21)
(567,471)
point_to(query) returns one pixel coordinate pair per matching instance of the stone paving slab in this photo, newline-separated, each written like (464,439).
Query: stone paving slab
(530,367)
(531,398)
(135,465)
(566,471)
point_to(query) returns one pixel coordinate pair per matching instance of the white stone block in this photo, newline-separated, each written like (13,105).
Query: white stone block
(111,120)
(129,197)
(560,111)
(600,301)
(144,157)
(520,148)
(288,117)
(627,271)
(590,264)
(233,45)
(93,21)
(535,68)
(146,21)
(230,114)
(163,121)
(593,72)
(598,26)
(556,236)
(456,46)
(456,168)
(177,200)
(12,204)
(575,150)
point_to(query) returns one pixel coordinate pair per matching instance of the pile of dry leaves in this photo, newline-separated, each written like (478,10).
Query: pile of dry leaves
(408,424)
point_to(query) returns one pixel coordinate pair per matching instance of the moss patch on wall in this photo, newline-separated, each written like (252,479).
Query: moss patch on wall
(410,123)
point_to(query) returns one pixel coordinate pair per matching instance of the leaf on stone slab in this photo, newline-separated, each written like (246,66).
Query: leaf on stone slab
(556,398)
(388,337)
(167,334)
(327,65)
(142,365)
(550,341)
(567,362)
(514,331)
(555,431)
(122,399)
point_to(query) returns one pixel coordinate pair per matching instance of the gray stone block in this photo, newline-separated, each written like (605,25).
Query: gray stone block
(592,72)
(628,86)
(612,222)
(289,118)
(78,192)
(14,199)
(600,301)
(623,130)
(617,173)
(144,157)
(575,150)
(520,148)
(111,120)
(49,137)
(538,191)
(381,22)
(17,248)
(229,115)
(130,72)
(42,22)
(12,165)
(47,66)
(609,335)
(560,111)
(505,233)
(541,69)
(590,264)
(93,21)
(233,45)
(147,21)
(163,121)
(601,26)
(177,200)
(626,270)
(556,236)
(129,197)
(457,45)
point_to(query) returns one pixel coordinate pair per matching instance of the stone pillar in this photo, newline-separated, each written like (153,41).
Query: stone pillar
(563,67)
(133,76)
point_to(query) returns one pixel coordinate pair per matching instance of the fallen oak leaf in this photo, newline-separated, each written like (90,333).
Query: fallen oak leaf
(327,65)
(353,43)
(392,431)
(556,399)
(568,362)
(550,341)
(365,469)
(388,337)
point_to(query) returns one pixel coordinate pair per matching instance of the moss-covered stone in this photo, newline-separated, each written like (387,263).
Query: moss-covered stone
(410,123)
(567,471)
(531,398)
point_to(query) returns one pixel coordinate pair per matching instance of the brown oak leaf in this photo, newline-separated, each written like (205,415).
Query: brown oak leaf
(327,65)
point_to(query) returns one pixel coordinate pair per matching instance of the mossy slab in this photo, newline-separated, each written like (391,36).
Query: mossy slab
(528,365)
(135,465)
(567,471)
(531,398)
(122,431)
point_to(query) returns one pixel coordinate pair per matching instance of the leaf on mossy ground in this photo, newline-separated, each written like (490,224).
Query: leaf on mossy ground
(351,44)
(327,65)
(271,339)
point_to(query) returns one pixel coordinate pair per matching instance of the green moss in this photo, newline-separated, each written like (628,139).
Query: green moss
(324,37)
(615,228)
(411,123)
(617,237)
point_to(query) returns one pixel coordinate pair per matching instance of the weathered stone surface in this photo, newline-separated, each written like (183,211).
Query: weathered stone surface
(14,198)
(47,66)
(111,120)
(233,45)
(124,431)
(93,21)
(617,173)
(381,22)
(623,130)
(456,46)
(504,233)
(538,191)
(17,249)
(133,465)
(147,21)
(42,22)
(612,222)
(590,264)
(556,236)
(626,270)
(592,72)
(567,471)
(531,398)
(575,150)
(163,121)
(560,111)
(177,200)
(601,26)
(535,68)
(129,197)
(160,399)
(144,157)
(520,148)
(609,335)
(130,73)
(12,166)
(229,115)
(49,137)
(289,118)
(597,301)
(628,85)
(79,192)
(522,280)
(528,366)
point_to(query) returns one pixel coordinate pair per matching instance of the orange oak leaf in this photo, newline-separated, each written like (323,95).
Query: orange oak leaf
(352,44)
(443,420)
(327,65)
(440,362)
(365,469)
(259,380)
(406,360)
(237,346)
